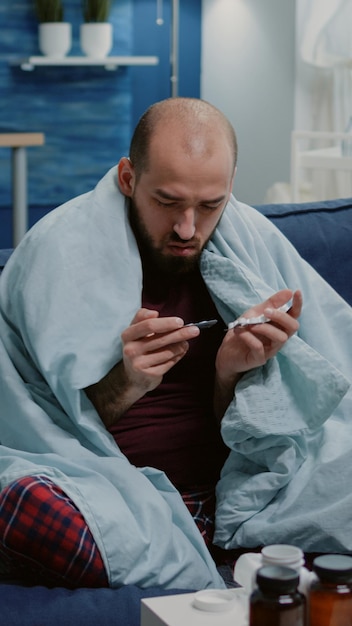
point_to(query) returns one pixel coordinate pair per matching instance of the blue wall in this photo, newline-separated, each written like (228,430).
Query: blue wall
(87,114)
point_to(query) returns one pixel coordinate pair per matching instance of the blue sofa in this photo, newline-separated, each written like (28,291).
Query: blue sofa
(322,233)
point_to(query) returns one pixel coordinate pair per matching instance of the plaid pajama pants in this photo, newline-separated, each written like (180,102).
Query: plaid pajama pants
(201,505)
(44,538)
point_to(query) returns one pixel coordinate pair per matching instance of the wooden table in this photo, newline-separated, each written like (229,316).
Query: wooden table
(18,142)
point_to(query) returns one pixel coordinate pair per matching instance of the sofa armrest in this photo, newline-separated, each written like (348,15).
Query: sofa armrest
(322,234)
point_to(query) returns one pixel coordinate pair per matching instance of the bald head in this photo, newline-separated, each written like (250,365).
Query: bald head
(194,125)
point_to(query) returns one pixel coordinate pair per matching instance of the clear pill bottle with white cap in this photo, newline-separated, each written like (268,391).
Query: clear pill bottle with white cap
(276,601)
(330,596)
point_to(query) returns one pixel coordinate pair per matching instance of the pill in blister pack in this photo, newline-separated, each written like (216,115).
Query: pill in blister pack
(241,322)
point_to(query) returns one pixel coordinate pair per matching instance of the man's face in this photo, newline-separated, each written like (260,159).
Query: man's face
(177,202)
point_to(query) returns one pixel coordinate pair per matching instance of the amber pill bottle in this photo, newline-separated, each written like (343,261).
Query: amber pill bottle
(276,601)
(330,597)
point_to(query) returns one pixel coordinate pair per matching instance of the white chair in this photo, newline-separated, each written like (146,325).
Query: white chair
(329,156)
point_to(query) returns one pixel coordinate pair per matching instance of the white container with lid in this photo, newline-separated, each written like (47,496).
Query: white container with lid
(285,555)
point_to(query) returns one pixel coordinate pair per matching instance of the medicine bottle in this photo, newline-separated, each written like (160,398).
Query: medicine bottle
(276,601)
(330,597)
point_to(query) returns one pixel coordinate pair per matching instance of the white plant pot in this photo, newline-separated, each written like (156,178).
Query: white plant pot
(96,39)
(55,39)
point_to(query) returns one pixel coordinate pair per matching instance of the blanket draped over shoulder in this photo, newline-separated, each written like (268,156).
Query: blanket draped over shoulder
(67,292)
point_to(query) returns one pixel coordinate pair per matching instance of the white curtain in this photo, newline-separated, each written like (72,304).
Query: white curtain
(324,71)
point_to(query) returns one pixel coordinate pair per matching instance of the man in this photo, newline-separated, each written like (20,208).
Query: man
(113,400)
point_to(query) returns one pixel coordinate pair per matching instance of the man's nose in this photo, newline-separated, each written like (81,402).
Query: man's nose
(185,224)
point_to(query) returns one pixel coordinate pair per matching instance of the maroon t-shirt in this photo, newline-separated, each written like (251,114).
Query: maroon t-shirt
(173,427)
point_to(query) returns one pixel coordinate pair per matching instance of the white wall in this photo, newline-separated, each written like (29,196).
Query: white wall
(248,65)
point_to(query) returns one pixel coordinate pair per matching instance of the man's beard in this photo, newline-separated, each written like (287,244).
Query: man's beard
(153,255)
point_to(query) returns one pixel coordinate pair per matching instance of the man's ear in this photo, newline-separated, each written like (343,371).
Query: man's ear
(126,176)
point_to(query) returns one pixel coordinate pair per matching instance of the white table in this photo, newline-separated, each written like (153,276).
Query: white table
(329,158)
(179,610)
(19,142)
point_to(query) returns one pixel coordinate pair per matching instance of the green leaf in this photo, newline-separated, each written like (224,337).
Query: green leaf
(49,10)
(96,10)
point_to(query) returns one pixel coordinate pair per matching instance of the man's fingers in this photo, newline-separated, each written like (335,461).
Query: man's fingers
(143,314)
(160,331)
(297,303)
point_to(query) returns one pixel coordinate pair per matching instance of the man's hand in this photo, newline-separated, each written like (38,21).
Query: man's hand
(246,348)
(151,346)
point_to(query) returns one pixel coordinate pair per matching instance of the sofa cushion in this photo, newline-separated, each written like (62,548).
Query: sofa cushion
(32,606)
(322,234)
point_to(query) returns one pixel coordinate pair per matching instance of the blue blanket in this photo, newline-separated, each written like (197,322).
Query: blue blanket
(67,292)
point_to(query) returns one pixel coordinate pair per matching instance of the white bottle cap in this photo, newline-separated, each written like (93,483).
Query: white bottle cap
(215,600)
(283,554)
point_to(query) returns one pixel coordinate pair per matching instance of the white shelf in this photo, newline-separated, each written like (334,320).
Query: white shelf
(109,62)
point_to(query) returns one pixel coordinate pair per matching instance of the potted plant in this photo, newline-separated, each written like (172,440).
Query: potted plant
(96,34)
(55,35)
(96,10)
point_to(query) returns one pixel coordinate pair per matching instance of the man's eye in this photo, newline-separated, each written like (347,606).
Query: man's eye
(165,203)
(210,207)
